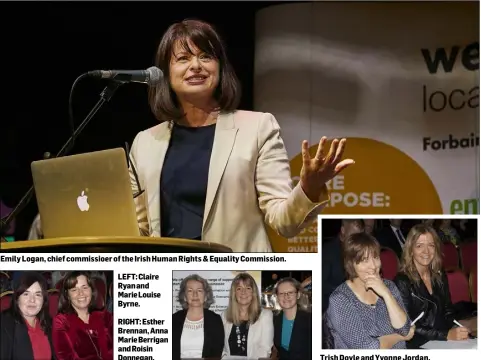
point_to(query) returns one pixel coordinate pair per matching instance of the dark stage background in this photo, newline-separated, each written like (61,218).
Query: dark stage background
(49,44)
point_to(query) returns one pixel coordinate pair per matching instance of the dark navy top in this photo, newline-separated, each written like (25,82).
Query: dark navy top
(183,181)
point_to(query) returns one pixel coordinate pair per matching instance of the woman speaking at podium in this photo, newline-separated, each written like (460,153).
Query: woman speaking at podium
(214,173)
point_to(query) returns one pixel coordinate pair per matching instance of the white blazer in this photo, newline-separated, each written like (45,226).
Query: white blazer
(260,337)
(249,183)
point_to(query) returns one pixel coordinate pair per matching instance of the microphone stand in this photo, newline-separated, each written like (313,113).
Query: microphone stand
(105,96)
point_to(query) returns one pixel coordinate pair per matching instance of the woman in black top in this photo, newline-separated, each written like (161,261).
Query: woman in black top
(25,332)
(292,325)
(424,288)
(197,332)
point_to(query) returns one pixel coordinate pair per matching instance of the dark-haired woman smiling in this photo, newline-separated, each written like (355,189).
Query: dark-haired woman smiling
(212,172)
(80,330)
(25,332)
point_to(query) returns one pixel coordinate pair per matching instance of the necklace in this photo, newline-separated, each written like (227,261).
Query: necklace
(241,338)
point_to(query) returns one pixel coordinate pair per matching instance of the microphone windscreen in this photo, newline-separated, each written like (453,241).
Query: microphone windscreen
(155,75)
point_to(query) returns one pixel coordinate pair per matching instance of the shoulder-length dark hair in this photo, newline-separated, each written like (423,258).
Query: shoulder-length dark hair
(208,293)
(162,99)
(69,281)
(355,248)
(27,279)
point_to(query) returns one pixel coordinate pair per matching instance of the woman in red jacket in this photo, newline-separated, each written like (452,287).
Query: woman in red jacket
(80,330)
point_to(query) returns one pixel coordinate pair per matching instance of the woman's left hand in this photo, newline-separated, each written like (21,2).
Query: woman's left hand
(319,170)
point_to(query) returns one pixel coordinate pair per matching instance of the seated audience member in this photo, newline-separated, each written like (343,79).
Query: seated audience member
(392,236)
(248,329)
(5,283)
(424,288)
(366,312)
(57,276)
(292,326)
(370,226)
(460,226)
(427,222)
(197,332)
(25,328)
(80,331)
(447,232)
(332,268)
(467,229)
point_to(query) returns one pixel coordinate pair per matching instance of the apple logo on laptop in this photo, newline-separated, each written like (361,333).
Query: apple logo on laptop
(82,202)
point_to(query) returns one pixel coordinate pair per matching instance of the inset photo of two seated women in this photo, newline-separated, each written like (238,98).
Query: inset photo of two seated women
(399,283)
(242,315)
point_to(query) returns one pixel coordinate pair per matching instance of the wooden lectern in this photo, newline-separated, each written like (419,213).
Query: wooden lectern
(113,244)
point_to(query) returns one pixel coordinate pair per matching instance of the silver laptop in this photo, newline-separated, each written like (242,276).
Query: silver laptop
(85,195)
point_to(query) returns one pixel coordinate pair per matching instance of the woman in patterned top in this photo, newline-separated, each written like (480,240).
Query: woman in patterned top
(366,311)
(249,329)
(197,332)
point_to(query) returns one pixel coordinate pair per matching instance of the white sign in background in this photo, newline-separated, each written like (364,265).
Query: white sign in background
(406,74)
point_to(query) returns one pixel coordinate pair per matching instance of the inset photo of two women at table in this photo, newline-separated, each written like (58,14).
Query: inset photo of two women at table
(242,315)
(399,283)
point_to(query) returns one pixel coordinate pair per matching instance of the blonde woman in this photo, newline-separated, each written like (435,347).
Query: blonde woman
(249,329)
(424,288)
(292,325)
(366,311)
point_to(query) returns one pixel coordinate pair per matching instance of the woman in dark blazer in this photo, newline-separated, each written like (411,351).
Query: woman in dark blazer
(292,325)
(25,332)
(197,332)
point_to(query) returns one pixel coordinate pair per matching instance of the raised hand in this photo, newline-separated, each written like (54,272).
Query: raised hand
(319,170)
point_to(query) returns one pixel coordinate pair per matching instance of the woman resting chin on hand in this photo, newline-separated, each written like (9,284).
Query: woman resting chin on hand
(366,311)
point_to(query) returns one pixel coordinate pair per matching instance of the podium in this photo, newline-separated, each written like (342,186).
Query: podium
(113,244)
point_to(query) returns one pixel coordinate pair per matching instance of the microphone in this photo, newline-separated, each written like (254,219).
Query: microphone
(151,76)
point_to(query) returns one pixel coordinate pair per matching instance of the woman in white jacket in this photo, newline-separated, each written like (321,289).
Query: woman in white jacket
(249,329)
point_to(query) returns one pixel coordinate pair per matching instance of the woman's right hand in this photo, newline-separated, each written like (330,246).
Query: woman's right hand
(458,333)
(376,284)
